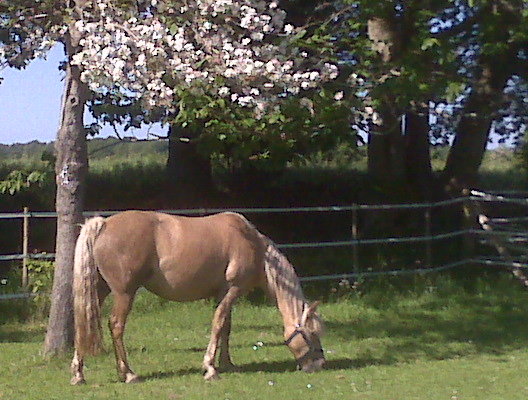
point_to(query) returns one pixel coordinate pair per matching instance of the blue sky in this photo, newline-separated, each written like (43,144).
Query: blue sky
(30,102)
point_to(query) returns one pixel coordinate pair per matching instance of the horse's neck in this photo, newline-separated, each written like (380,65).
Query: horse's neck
(284,286)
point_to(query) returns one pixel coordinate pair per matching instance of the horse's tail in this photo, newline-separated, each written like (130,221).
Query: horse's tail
(87,310)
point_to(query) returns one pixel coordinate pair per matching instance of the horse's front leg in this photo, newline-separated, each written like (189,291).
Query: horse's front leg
(221,316)
(120,310)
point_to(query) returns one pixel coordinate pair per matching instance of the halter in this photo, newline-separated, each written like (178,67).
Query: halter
(313,352)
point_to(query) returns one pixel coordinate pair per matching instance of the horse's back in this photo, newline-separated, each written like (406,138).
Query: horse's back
(181,258)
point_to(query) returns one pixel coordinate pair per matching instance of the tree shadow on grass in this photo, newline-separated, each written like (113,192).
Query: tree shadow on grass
(441,330)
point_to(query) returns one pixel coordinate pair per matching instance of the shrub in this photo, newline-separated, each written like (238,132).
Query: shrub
(35,307)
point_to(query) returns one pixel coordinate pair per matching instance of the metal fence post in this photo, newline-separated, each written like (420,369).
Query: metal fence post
(25,246)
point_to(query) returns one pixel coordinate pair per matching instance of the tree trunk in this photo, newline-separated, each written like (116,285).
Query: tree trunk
(385,147)
(189,172)
(502,19)
(469,145)
(71,168)
(418,168)
(398,157)
(385,150)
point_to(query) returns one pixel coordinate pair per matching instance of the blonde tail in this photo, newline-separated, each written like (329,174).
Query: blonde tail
(87,311)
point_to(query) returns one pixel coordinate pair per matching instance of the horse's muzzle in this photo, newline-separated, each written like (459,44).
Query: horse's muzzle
(313,365)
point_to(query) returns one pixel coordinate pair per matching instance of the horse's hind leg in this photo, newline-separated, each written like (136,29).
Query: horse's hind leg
(120,310)
(77,364)
(77,369)
(219,320)
(225,362)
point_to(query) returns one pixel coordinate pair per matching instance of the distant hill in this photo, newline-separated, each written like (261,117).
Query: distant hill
(97,148)
(29,150)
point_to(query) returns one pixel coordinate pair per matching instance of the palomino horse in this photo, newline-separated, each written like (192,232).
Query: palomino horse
(184,259)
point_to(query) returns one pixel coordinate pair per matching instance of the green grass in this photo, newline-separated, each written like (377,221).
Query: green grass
(438,342)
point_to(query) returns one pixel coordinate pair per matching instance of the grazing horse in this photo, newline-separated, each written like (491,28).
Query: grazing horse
(184,259)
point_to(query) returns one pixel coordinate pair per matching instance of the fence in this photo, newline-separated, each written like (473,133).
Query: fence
(469,232)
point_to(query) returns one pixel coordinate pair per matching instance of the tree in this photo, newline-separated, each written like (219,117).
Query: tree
(71,168)
(193,60)
(501,34)
(413,58)
(30,29)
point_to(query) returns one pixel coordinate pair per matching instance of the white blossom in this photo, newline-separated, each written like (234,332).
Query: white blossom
(214,46)
(289,29)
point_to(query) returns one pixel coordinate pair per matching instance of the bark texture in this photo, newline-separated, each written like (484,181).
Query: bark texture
(473,130)
(71,168)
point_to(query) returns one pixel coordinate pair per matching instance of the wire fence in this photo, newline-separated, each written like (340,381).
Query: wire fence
(513,230)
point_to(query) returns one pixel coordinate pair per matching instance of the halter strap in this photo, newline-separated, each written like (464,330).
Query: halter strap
(296,332)
(312,349)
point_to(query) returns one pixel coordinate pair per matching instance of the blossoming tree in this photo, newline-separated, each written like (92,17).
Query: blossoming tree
(201,63)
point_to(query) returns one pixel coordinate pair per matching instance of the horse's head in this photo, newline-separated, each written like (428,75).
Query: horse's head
(304,341)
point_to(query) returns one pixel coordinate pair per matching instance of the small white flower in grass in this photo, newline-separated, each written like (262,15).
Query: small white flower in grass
(3,281)
(271,383)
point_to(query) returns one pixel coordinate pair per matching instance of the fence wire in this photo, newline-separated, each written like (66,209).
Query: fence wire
(475,196)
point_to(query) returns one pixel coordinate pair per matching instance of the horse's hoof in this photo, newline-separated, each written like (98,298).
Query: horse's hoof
(211,376)
(132,378)
(77,381)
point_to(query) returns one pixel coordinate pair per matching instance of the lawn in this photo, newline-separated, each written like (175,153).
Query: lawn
(439,342)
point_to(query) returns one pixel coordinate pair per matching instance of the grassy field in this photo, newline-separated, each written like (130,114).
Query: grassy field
(439,342)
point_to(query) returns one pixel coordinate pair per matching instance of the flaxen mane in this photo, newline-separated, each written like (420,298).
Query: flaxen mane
(284,284)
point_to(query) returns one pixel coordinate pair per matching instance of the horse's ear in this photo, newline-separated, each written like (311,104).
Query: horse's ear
(309,311)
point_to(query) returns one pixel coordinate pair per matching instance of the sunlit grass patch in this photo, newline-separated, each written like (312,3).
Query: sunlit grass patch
(440,342)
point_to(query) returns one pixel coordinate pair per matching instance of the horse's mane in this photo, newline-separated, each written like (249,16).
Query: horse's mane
(283,283)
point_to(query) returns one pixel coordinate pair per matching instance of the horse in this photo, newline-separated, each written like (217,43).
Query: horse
(182,258)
